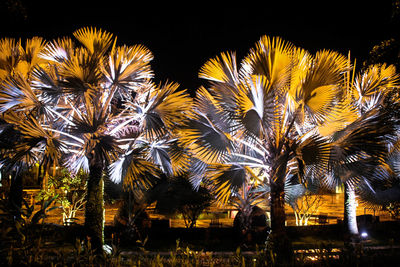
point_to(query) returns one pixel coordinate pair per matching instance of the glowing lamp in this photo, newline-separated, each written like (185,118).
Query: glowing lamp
(364,234)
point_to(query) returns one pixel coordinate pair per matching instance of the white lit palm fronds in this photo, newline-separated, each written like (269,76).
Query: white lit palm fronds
(226,180)
(28,142)
(361,144)
(144,162)
(207,135)
(74,69)
(157,118)
(58,50)
(272,77)
(23,109)
(163,108)
(360,148)
(373,83)
(264,115)
(212,140)
(18,95)
(111,107)
(90,67)
(86,131)
(134,169)
(127,67)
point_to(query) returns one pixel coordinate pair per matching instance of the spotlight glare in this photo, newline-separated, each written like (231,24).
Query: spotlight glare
(364,235)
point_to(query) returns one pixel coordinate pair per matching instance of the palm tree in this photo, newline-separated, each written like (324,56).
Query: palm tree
(361,143)
(23,140)
(106,112)
(263,116)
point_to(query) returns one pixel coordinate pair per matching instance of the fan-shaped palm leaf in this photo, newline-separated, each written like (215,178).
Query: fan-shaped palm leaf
(10,56)
(135,170)
(222,69)
(31,56)
(376,80)
(160,111)
(58,50)
(319,89)
(96,41)
(272,58)
(312,156)
(257,107)
(34,143)
(227,179)
(81,74)
(128,66)
(48,82)
(360,147)
(18,95)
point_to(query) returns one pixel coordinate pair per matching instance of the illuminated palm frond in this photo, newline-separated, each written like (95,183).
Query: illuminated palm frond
(32,54)
(264,116)
(257,107)
(160,110)
(382,189)
(81,74)
(134,170)
(197,174)
(49,83)
(248,197)
(272,58)
(206,141)
(18,95)
(222,69)
(96,41)
(360,148)
(312,156)
(31,142)
(58,50)
(374,82)
(226,180)
(179,157)
(343,114)
(127,67)
(10,55)
(319,90)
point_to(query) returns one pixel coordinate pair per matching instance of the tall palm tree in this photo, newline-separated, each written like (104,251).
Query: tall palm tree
(362,141)
(262,114)
(103,106)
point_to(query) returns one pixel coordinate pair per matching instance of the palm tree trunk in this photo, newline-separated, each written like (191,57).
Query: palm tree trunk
(94,212)
(277,204)
(350,218)
(280,243)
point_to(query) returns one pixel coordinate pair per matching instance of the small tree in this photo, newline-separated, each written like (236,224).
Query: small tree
(69,191)
(177,196)
(305,207)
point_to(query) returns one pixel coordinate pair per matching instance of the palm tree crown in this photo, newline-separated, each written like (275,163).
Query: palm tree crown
(98,104)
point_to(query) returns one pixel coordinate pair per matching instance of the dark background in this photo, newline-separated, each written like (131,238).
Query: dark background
(183,35)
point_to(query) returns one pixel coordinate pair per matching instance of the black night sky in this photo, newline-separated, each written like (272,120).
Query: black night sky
(183,35)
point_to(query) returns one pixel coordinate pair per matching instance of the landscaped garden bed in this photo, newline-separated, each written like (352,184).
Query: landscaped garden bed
(163,246)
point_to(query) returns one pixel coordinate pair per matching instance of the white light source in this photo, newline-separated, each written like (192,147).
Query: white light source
(364,235)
